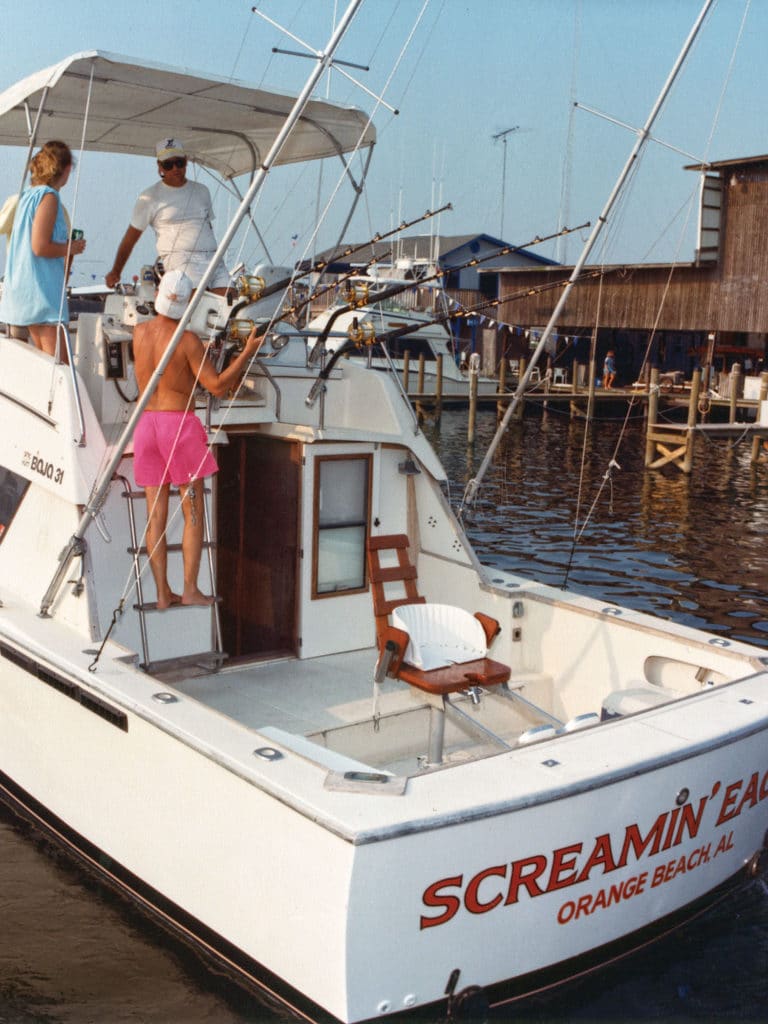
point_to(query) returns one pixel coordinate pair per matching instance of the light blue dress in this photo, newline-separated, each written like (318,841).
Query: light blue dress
(33,285)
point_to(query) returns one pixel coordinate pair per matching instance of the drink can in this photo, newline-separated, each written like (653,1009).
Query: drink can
(77,234)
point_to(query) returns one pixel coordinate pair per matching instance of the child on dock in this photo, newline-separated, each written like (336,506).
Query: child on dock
(609,369)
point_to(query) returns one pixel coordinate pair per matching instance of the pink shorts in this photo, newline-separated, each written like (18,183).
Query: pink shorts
(170,447)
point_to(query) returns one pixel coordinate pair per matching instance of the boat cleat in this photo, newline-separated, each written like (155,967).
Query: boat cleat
(474,693)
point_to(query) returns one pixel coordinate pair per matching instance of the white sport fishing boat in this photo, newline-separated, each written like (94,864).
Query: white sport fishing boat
(376,776)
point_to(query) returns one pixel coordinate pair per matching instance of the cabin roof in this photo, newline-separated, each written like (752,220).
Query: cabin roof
(224,124)
(737,162)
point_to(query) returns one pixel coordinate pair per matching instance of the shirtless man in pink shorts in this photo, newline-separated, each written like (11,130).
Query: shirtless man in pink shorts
(169,442)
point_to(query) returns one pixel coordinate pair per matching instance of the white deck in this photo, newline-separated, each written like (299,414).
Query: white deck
(299,696)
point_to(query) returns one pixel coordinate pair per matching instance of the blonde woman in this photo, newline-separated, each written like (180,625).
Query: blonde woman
(34,293)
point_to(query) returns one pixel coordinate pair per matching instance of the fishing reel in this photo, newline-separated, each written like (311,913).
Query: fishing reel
(356,293)
(229,342)
(236,332)
(361,332)
(250,287)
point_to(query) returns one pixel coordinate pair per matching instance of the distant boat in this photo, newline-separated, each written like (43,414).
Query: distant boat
(376,776)
(422,306)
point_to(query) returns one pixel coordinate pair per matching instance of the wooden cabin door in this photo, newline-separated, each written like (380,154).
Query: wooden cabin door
(257,527)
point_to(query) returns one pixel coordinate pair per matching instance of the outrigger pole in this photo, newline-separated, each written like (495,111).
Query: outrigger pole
(643,134)
(76,545)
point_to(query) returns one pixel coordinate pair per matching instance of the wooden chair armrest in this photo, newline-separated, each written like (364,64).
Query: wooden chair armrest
(491,627)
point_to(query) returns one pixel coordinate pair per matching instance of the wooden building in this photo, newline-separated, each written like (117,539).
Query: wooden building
(713,310)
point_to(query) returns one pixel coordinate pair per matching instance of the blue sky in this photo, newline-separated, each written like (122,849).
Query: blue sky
(474,68)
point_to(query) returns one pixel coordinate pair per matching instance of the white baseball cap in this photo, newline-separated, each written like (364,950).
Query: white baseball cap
(173,294)
(169,147)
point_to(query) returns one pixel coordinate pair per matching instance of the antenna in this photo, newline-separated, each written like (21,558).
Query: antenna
(495,138)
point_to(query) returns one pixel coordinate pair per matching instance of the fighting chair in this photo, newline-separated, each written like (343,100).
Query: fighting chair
(438,649)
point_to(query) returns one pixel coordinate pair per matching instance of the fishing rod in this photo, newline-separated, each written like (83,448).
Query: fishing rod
(379,237)
(319,292)
(401,286)
(290,311)
(370,339)
(320,266)
(463,312)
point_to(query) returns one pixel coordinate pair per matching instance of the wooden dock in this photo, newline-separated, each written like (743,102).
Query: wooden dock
(667,444)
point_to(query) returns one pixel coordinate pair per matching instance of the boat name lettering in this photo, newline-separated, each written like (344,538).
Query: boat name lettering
(38,464)
(757,790)
(505,884)
(608,896)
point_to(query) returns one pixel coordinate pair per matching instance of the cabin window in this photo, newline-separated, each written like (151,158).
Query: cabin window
(342,501)
(414,346)
(12,489)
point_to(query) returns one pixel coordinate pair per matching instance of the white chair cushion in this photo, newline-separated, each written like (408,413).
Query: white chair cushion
(439,635)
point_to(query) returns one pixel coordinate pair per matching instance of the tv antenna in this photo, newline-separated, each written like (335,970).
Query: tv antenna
(504,136)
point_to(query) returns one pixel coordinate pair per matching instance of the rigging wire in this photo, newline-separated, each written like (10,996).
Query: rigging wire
(607,478)
(565,195)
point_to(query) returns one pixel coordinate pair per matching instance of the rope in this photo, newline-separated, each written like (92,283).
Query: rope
(115,615)
(704,402)
(582,467)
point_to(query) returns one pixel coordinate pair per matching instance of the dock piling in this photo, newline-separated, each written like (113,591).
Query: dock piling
(474,372)
(520,410)
(653,415)
(693,409)
(439,388)
(735,386)
(501,389)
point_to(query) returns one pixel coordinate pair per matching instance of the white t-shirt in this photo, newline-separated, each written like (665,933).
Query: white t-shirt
(181,219)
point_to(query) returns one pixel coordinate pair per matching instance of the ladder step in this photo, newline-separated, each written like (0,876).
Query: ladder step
(205,661)
(151,606)
(207,544)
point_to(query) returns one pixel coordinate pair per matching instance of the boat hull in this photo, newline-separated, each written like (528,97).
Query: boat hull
(520,892)
(222,955)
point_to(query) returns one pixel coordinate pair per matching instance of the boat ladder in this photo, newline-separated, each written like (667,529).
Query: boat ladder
(206,660)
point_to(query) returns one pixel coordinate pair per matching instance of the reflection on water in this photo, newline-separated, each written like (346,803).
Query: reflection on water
(691,549)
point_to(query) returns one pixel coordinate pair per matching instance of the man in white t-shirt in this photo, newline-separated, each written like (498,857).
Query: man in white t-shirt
(180,213)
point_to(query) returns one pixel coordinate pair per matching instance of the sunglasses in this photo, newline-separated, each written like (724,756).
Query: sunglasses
(176,161)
